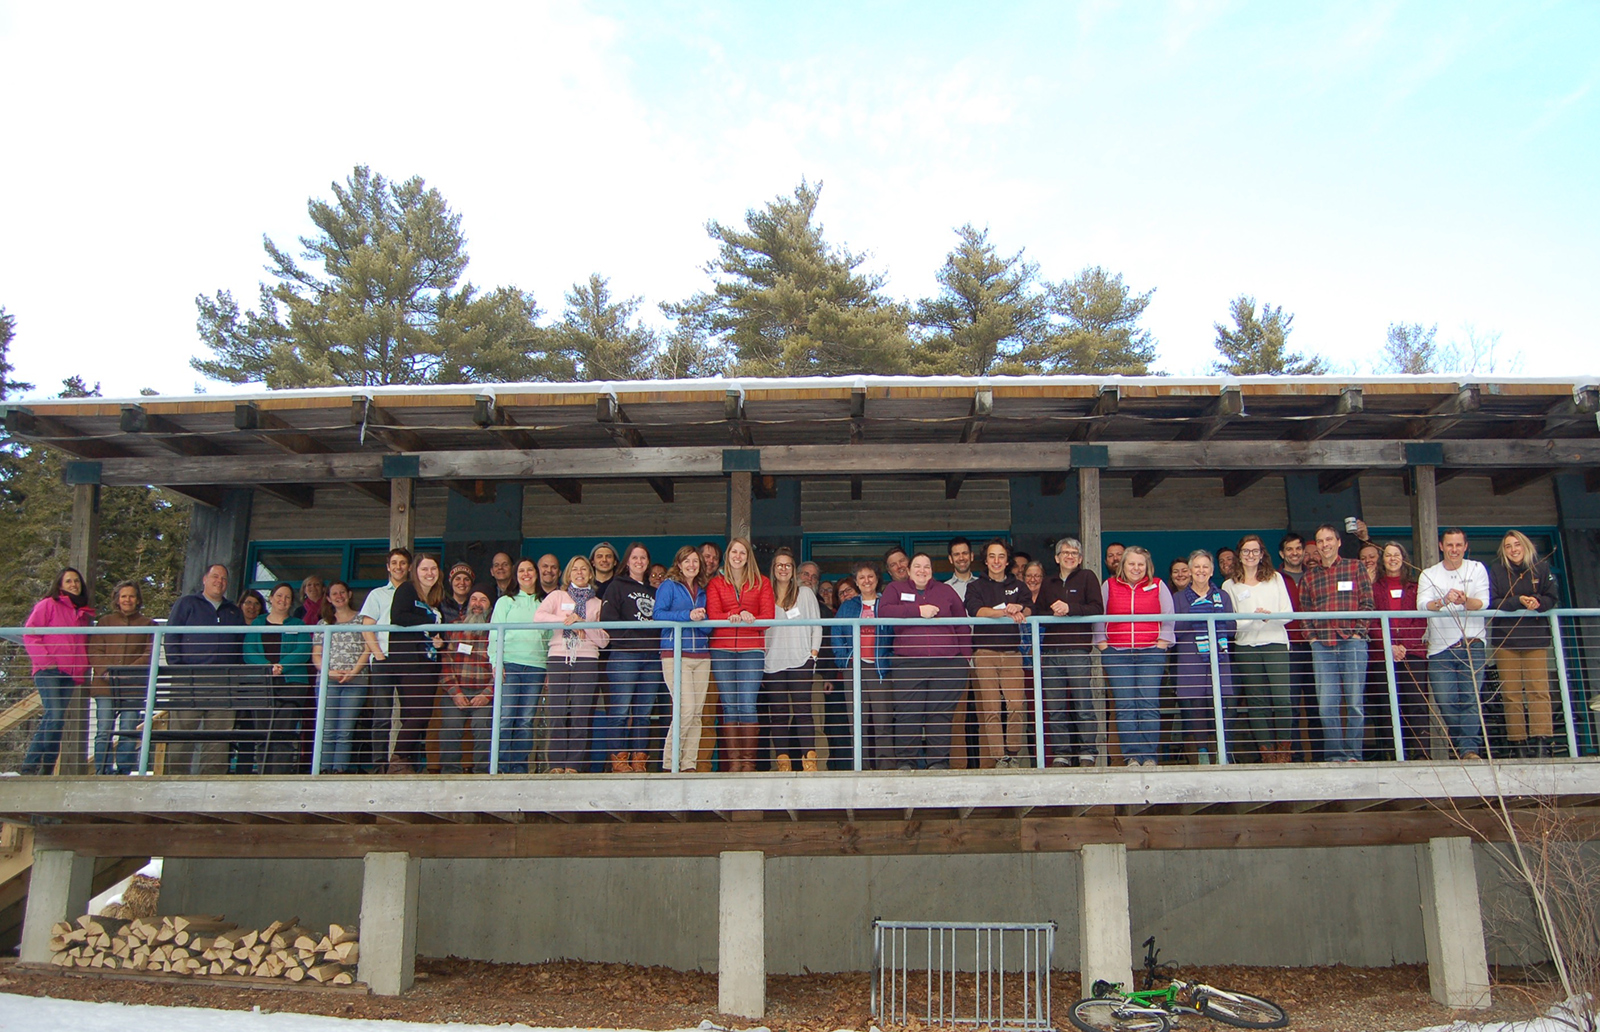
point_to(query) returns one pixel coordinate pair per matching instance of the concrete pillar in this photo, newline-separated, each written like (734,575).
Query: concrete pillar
(402,525)
(1452,924)
(389,922)
(742,935)
(1105,931)
(739,506)
(59,889)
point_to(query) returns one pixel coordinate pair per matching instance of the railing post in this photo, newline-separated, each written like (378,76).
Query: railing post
(150,701)
(677,724)
(1394,687)
(1216,691)
(856,718)
(320,720)
(497,653)
(1566,685)
(1039,759)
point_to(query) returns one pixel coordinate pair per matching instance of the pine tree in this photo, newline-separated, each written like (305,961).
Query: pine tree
(1095,328)
(1410,348)
(987,311)
(1259,346)
(383,302)
(600,336)
(786,303)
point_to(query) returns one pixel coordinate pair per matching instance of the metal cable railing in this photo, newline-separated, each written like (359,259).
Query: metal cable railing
(885,694)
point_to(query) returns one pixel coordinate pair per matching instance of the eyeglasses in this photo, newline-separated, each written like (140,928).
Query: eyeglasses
(1250,551)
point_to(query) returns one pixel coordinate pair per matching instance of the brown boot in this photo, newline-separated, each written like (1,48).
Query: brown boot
(783,764)
(621,763)
(744,748)
(808,762)
(641,763)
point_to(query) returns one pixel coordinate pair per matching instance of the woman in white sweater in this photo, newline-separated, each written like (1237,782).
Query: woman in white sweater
(1261,650)
(791,657)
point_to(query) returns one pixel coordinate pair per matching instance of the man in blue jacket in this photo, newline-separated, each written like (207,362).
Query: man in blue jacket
(208,607)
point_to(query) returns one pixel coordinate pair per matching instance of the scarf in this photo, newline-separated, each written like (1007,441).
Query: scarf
(580,605)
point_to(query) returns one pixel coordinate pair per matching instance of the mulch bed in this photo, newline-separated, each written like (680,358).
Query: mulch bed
(626,996)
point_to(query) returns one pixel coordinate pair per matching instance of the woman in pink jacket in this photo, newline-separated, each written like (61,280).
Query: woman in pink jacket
(60,664)
(572,678)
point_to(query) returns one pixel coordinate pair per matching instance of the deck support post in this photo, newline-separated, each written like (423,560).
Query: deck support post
(742,934)
(59,887)
(1452,924)
(1089,517)
(389,922)
(1105,935)
(739,488)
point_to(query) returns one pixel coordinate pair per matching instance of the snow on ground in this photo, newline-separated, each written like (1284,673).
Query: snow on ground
(42,1014)
(114,894)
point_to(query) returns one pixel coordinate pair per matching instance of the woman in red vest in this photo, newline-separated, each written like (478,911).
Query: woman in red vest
(739,594)
(1134,653)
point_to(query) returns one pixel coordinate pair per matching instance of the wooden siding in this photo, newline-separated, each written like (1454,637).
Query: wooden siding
(627,508)
(909,506)
(342,514)
(1191,503)
(1464,501)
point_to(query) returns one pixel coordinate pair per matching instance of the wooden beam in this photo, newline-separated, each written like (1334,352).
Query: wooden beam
(402,519)
(276,431)
(502,427)
(53,433)
(892,837)
(1228,407)
(1145,482)
(857,485)
(168,433)
(301,496)
(1424,516)
(1089,516)
(1091,426)
(739,494)
(1349,403)
(1234,484)
(733,412)
(971,430)
(1205,457)
(200,493)
(571,490)
(478,492)
(616,422)
(1506,482)
(1579,410)
(1053,483)
(1446,414)
(377,490)
(378,422)
(858,415)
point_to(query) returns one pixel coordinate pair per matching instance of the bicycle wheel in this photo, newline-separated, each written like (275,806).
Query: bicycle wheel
(1113,1015)
(1243,1010)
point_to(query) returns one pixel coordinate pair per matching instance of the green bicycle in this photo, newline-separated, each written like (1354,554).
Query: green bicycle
(1114,1009)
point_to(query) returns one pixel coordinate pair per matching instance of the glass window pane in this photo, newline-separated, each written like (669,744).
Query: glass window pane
(371,565)
(295,564)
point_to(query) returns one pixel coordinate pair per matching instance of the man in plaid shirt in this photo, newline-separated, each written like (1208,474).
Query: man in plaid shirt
(1332,584)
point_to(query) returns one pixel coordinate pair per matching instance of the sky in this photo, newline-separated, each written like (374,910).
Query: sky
(1357,163)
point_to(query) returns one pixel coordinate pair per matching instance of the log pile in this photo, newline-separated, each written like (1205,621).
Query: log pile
(207,945)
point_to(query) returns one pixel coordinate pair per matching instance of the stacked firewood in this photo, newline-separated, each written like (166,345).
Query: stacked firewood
(206,944)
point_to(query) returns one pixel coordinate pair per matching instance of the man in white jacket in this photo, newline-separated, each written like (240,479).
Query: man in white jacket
(1457,588)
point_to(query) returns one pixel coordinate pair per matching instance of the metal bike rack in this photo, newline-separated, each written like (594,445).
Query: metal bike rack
(960,970)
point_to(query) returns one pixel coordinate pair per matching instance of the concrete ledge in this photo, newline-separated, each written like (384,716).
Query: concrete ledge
(58,890)
(829,791)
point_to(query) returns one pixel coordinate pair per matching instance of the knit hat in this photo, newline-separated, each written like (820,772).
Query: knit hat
(460,568)
(596,548)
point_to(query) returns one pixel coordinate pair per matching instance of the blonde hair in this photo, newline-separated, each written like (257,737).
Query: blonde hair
(1122,567)
(751,577)
(566,574)
(1530,555)
(791,593)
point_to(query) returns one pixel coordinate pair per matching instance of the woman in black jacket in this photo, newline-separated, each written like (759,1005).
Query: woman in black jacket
(416,604)
(1519,581)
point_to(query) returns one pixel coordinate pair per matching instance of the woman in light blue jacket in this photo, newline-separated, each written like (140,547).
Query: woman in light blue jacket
(682,599)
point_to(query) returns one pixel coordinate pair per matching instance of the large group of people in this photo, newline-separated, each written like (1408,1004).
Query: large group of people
(1218,636)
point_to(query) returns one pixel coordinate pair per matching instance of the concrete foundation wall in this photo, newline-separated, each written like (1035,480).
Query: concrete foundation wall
(1358,906)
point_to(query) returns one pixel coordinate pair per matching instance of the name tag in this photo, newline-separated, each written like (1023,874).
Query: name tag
(1397,592)
(464,648)
(907,597)
(1346,585)
(1203,645)
(1148,587)
(567,607)
(1244,592)
(792,613)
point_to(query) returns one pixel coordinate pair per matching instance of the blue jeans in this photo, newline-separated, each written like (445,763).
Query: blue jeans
(55,692)
(632,680)
(338,727)
(738,677)
(1341,673)
(113,717)
(519,695)
(1134,676)
(1456,679)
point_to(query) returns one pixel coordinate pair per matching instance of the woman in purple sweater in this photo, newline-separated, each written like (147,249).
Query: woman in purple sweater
(929,667)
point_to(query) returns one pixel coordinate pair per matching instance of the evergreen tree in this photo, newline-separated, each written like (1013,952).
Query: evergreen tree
(8,386)
(383,302)
(1095,328)
(786,303)
(1260,346)
(599,335)
(688,352)
(1410,348)
(988,309)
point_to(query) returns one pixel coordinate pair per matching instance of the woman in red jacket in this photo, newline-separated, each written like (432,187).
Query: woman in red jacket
(739,595)
(1395,591)
(60,664)
(1134,653)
